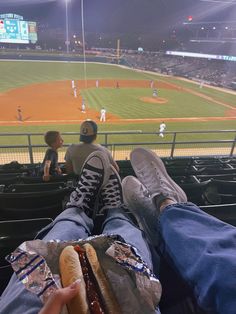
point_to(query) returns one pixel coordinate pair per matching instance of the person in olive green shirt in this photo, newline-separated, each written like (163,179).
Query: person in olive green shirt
(76,154)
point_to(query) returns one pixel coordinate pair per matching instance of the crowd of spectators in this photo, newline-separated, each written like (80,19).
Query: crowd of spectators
(215,72)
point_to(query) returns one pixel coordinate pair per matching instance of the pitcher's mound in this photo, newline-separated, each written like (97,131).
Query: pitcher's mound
(154,100)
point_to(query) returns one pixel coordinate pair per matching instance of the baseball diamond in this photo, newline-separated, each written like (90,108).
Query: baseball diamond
(178,103)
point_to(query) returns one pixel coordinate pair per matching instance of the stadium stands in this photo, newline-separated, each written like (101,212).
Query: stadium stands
(215,72)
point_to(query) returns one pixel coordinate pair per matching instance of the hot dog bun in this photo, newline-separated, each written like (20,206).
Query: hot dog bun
(70,269)
(105,289)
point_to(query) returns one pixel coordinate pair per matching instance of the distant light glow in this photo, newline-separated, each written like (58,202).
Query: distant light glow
(220,1)
(201,55)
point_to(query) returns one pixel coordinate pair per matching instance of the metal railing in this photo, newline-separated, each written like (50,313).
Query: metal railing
(29,147)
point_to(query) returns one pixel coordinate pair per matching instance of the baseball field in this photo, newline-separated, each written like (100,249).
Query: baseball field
(44,93)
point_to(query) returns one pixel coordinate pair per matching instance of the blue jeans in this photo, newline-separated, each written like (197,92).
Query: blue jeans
(202,249)
(72,224)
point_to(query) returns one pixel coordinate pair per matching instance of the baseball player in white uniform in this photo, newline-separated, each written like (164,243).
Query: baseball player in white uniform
(154,93)
(162,128)
(83,107)
(201,84)
(73,84)
(75,92)
(97,83)
(103,115)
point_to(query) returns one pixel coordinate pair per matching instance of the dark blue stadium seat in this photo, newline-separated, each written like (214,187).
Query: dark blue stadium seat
(12,234)
(35,187)
(26,205)
(224,212)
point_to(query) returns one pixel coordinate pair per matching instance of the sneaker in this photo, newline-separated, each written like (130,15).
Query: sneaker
(151,171)
(138,200)
(111,194)
(94,175)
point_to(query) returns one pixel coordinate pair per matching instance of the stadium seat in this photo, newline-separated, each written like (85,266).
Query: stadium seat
(172,161)
(26,205)
(225,186)
(125,168)
(36,187)
(201,193)
(9,178)
(12,234)
(39,179)
(224,212)
(223,177)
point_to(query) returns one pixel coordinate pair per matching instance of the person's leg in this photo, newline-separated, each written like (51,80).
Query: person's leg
(118,222)
(72,224)
(201,248)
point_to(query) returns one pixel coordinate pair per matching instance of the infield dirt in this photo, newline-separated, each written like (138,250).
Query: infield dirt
(54,102)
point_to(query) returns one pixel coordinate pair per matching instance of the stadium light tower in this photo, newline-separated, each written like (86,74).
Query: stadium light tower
(67,27)
(83,38)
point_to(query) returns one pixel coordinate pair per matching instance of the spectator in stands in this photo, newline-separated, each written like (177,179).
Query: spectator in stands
(76,154)
(199,246)
(50,165)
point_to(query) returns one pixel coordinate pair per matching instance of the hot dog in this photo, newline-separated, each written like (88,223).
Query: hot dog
(95,295)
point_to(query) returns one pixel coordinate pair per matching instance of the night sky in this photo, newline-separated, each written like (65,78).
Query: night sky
(122,16)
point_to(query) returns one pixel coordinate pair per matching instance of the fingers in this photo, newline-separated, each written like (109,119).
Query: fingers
(66,294)
(60,298)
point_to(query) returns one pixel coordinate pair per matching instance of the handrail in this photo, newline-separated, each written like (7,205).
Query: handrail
(224,143)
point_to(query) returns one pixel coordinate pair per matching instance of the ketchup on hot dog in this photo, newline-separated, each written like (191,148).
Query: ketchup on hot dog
(95,301)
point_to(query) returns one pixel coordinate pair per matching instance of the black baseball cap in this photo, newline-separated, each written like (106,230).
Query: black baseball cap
(88,130)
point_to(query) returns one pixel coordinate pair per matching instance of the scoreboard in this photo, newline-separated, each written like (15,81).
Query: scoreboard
(13,29)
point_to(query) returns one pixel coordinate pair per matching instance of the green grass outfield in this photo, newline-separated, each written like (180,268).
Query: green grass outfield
(124,102)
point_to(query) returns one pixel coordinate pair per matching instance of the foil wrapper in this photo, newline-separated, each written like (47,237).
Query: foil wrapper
(138,291)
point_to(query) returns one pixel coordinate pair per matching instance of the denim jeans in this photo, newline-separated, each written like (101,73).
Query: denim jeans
(199,247)
(72,224)
(202,249)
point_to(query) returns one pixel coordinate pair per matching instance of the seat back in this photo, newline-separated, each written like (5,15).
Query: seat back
(12,234)
(224,212)
(28,205)
(36,187)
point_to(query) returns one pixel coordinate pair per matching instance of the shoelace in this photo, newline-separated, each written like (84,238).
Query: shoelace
(111,193)
(152,176)
(86,190)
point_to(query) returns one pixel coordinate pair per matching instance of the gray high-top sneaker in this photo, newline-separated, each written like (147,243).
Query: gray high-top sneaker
(138,200)
(151,172)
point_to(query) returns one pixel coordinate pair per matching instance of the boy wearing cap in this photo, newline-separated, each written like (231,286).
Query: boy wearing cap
(76,154)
